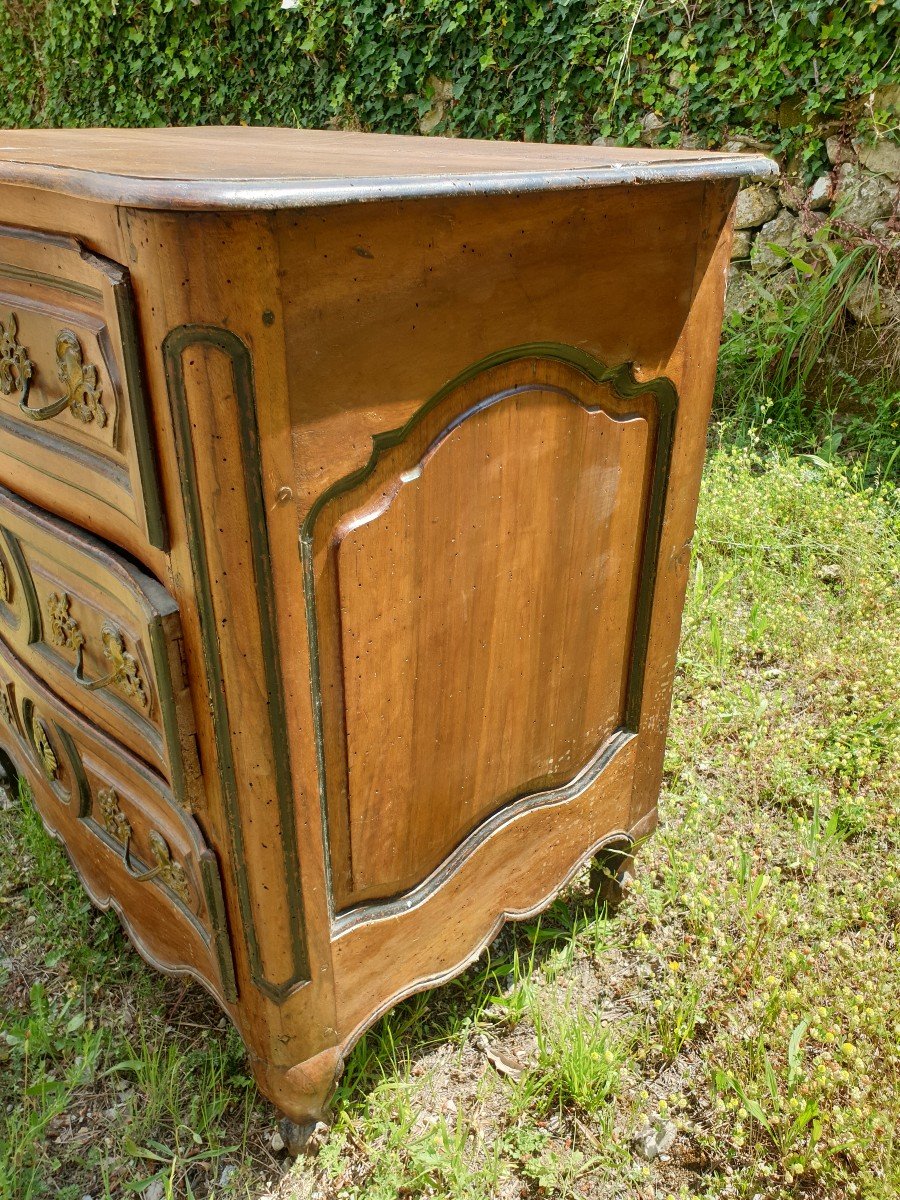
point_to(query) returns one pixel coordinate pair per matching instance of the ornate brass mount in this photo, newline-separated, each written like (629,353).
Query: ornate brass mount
(82,394)
(125,673)
(16,368)
(115,822)
(64,630)
(6,711)
(5,589)
(117,825)
(47,757)
(171,872)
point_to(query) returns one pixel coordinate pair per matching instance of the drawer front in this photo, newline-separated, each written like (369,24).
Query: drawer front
(102,634)
(132,844)
(74,434)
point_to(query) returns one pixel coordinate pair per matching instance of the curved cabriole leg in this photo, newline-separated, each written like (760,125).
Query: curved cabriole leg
(612,871)
(302,1092)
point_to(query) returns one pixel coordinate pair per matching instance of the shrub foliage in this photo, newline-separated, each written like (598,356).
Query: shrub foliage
(548,70)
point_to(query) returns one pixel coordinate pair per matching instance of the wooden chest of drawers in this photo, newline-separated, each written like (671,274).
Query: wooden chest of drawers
(347,486)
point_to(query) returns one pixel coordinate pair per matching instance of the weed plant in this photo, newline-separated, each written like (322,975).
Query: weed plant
(797,371)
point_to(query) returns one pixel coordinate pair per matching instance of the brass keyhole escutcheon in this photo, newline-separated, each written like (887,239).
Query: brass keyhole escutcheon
(64,629)
(16,368)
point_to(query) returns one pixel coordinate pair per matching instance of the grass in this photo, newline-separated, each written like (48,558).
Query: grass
(747,993)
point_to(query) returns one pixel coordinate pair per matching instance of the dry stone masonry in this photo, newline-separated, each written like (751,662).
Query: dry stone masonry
(859,197)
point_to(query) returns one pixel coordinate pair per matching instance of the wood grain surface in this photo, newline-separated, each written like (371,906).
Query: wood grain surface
(476,612)
(243,167)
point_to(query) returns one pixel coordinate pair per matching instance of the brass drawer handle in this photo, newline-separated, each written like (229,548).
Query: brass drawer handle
(118,826)
(82,394)
(140,876)
(125,673)
(166,870)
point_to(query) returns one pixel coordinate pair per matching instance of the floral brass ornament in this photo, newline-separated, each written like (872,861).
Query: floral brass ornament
(82,394)
(125,673)
(16,368)
(115,822)
(80,379)
(64,630)
(170,872)
(6,711)
(48,759)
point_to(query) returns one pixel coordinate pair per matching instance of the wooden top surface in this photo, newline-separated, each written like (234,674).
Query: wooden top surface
(240,167)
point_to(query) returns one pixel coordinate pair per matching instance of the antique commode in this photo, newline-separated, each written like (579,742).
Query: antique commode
(348,485)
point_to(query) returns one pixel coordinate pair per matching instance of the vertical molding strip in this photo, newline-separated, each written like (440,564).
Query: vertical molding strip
(177,341)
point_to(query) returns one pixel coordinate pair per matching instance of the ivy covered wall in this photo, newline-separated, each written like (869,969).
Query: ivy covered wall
(664,72)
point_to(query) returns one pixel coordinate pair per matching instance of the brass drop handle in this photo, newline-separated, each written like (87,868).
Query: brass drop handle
(124,674)
(170,873)
(167,870)
(140,876)
(44,413)
(82,394)
(91,685)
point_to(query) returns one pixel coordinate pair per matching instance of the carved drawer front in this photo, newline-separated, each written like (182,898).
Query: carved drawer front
(74,432)
(131,842)
(101,633)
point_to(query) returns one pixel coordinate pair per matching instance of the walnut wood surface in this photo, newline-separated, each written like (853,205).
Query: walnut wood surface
(476,609)
(427,469)
(245,168)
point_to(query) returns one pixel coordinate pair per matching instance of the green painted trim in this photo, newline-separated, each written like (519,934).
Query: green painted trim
(176,342)
(94,463)
(396,906)
(119,280)
(77,768)
(30,714)
(217,933)
(166,744)
(24,275)
(215,904)
(621,379)
(165,694)
(23,574)
(154,510)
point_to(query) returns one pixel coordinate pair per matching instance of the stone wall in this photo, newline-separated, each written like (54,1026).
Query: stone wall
(858,199)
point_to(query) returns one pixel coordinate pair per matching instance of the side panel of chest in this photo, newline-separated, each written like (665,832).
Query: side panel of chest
(478,601)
